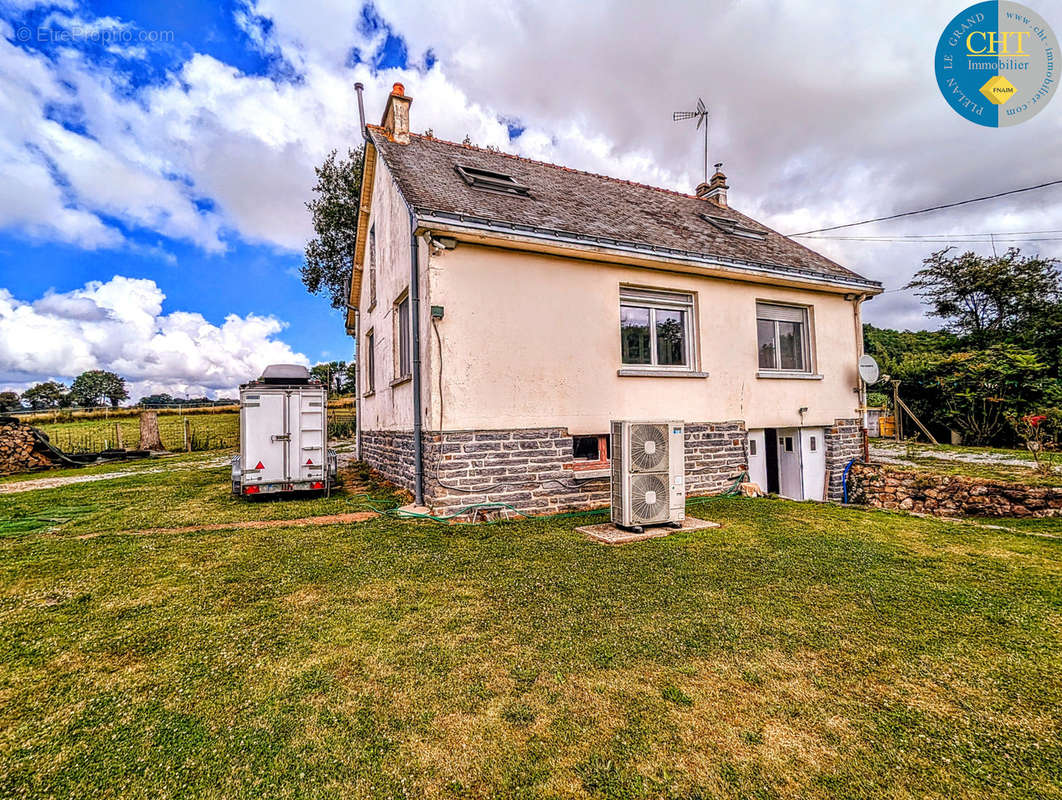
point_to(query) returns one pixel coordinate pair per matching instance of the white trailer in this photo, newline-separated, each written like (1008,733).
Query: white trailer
(283,435)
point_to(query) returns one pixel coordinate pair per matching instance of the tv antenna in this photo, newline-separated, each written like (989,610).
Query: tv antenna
(702,117)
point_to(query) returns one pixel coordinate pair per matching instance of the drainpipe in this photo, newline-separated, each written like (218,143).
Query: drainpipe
(358,89)
(857,318)
(357,384)
(414,311)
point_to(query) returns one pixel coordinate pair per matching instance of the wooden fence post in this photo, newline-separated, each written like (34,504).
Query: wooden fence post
(118,442)
(187,435)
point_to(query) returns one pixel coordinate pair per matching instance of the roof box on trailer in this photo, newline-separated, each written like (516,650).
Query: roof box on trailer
(287,374)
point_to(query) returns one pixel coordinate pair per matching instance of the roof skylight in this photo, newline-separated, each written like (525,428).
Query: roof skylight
(734,228)
(491,181)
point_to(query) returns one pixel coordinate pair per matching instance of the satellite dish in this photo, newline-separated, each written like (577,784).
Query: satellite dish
(868,369)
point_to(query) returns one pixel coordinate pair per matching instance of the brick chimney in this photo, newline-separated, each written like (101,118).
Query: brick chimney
(396,114)
(715,190)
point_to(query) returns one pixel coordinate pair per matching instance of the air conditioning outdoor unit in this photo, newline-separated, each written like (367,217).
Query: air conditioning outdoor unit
(648,474)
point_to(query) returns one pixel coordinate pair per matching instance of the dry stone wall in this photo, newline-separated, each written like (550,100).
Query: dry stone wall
(949,495)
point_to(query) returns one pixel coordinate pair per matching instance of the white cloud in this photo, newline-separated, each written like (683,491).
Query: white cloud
(118,325)
(817,124)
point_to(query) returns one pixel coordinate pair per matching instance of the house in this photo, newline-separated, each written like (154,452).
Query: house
(506,310)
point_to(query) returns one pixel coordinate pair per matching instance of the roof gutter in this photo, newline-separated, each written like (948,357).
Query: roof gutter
(462,222)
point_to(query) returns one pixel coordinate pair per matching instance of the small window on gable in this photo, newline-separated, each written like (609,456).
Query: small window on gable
(402,336)
(372,267)
(734,228)
(492,181)
(370,362)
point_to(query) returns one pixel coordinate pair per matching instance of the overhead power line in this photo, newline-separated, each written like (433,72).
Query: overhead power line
(937,239)
(966,235)
(931,208)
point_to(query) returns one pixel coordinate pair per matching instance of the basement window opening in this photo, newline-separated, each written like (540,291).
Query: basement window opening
(734,228)
(492,181)
(590,452)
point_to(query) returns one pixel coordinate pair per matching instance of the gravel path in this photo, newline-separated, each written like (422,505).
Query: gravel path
(897,453)
(51,483)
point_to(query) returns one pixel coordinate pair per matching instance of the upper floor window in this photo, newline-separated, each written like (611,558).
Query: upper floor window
(784,337)
(402,336)
(656,328)
(372,266)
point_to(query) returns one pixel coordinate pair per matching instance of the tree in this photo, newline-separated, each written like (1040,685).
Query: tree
(332,375)
(158,399)
(93,387)
(9,401)
(979,391)
(49,394)
(330,254)
(989,300)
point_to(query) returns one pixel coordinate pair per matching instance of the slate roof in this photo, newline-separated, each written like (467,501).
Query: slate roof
(585,205)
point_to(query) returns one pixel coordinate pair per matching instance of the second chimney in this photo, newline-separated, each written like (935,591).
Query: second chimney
(715,190)
(396,114)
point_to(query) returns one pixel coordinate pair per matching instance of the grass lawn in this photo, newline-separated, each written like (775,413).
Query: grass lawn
(799,651)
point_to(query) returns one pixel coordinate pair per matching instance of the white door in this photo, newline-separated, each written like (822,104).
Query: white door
(309,407)
(758,458)
(265,438)
(790,483)
(813,461)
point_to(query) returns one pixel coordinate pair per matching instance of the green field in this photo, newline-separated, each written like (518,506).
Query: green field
(801,650)
(208,431)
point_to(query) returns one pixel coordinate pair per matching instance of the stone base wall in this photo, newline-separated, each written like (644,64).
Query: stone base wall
(716,455)
(524,468)
(390,453)
(19,449)
(949,495)
(844,441)
(530,469)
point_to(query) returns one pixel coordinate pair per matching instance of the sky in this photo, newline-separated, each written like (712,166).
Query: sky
(156,157)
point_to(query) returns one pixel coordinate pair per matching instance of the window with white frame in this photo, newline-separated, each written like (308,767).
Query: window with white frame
(784,337)
(372,266)
(402,337)
(370,362)
(656,329)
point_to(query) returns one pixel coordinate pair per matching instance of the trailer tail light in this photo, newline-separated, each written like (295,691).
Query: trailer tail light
(250,490)
(317,485)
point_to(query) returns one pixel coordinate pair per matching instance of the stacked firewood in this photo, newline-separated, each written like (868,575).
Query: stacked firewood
(19,450)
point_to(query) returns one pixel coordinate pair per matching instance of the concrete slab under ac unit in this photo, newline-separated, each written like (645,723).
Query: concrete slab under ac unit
(607,533)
